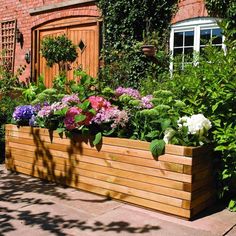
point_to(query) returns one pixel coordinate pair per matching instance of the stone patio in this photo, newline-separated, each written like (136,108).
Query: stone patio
(30,206)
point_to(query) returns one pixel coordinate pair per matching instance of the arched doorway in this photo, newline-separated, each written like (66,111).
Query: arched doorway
(83,32)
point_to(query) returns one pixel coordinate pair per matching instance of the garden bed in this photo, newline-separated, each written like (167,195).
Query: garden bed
(178,182)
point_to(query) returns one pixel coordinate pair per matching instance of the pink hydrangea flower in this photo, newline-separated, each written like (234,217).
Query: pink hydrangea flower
(113,115)
(98,102)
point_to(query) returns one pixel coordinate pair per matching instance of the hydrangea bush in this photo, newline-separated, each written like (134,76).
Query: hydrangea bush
(125,113)
(94,115)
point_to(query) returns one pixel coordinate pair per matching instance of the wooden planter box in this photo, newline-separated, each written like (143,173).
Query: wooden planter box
(178,183)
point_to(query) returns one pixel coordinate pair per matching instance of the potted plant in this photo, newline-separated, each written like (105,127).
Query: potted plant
(58,50)
(150,41)
(178,182)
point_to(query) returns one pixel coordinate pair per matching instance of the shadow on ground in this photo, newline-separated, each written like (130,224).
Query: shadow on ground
(14,189)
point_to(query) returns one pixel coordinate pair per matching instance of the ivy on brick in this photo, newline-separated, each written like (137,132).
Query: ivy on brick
(125,24)
(226,10)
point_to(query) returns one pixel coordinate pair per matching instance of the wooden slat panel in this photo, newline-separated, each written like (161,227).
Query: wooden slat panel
(24,144)
(77,169)
(116,195)
(170,184)
(25,132)
(87,150)
(100,183)
(107,185)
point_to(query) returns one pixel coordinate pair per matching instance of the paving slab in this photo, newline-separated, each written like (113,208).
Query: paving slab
(29,206)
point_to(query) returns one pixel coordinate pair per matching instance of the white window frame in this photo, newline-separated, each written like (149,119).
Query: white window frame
(195,25)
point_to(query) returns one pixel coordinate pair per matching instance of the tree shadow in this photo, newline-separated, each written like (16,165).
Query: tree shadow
(13,187)
(57,225)
(5,219)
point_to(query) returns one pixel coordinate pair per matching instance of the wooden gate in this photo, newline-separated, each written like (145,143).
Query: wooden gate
(84,33)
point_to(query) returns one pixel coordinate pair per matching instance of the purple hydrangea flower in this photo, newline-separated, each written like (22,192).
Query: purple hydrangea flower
(47,110)
(68,99)
(23,113)
(32,121)
(146,102)
(113,115)
(128,91)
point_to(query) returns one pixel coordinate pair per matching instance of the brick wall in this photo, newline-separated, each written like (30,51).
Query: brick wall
(20,10)
(188,9)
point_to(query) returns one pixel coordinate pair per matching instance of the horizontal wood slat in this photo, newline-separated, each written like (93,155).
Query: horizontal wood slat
(108,192)
(176,182)
(29,145)
(80,169)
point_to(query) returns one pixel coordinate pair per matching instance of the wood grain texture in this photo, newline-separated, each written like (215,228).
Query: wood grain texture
(175,183)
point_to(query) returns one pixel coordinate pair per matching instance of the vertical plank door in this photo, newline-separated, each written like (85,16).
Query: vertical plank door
(47,72)
(86,39)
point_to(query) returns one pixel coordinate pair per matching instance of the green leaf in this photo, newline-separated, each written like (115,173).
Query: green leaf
(79,118)
(152,134)
(165,124)
(84,106)
(61,112)
(60,130)
(232,205)
(157,147)
(92,111)
(98,138)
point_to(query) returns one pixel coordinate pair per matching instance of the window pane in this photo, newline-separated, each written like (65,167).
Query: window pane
(178,52)
(188,54)
(178,39)
(202,49)
(217,36)
(189,38)
(205,36)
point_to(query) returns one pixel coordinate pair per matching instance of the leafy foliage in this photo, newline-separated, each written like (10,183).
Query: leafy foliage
(58,50)
(209,88)
(225,10)
(126,25)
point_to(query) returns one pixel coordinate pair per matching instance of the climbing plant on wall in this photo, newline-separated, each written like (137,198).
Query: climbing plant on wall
(226,10)
(126,24)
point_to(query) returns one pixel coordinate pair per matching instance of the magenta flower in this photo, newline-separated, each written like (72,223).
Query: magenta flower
(70,122)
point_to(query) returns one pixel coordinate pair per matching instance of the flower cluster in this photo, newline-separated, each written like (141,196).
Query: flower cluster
(111,115)
(128,91)
(196,124)
(22,114)
(71,113)
(146,102)
(70,99)
(190,131)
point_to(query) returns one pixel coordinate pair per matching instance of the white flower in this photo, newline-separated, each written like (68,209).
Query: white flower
(198,124)
(182,121)
(169,133)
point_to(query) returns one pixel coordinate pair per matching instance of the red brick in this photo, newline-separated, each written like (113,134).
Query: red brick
(15,9)
(188,9)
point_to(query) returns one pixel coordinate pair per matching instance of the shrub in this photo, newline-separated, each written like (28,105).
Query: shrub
(209,88)
(58,50)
